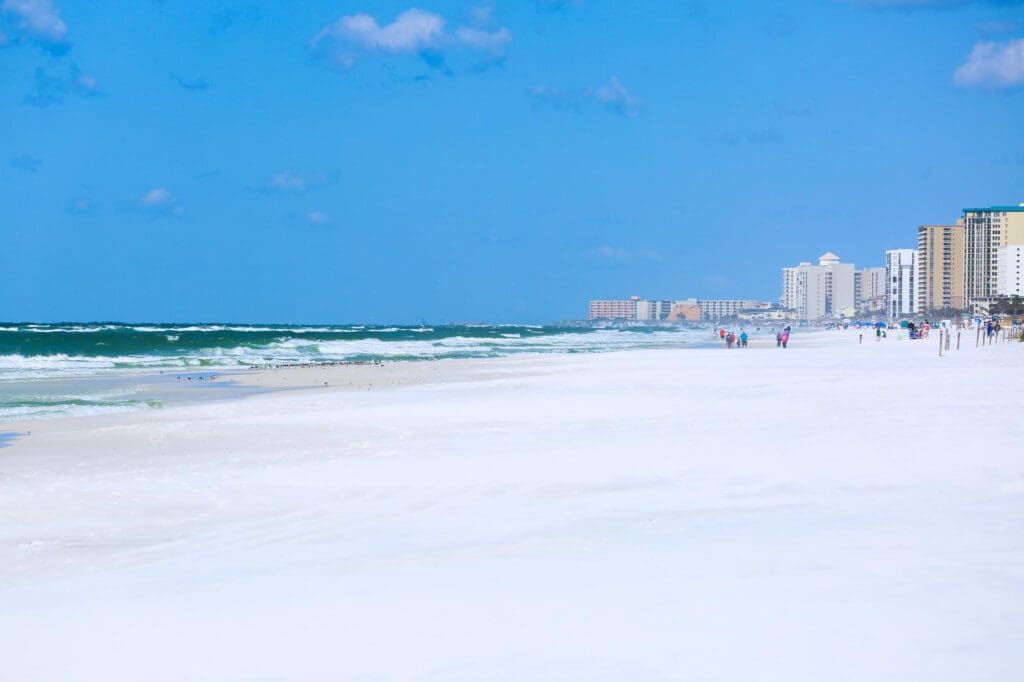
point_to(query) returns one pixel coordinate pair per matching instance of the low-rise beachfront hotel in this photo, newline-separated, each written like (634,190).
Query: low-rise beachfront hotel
(636,309)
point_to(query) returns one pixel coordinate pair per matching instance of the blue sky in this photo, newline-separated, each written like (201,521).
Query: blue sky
(506,161)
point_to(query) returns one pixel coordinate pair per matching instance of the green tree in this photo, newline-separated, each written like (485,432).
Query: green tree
(1007,305)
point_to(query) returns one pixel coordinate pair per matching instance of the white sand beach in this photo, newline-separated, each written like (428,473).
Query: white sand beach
(834,511)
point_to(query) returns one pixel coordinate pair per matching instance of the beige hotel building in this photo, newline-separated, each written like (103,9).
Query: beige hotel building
(940,267)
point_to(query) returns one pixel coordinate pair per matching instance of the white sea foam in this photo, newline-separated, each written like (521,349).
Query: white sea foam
(289,348)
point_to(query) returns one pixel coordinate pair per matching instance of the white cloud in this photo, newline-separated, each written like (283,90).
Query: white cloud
(39,22)
(155,197)
(351,38)
(412,30)
(316,217)
(160,202)
(287,181)
(993,66)
(36,19)
(614,95)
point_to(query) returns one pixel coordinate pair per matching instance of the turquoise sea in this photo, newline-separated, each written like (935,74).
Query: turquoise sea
(48,369)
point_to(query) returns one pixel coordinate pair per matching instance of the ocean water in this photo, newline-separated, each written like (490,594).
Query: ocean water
(48,369)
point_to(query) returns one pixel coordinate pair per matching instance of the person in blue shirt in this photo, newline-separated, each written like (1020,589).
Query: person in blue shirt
(743,340)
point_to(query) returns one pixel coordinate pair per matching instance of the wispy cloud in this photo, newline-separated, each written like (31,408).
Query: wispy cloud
(756,136)
(158,201)
(619,254)
(615,97)
(37,21)
(81,206)
(316,218)
(993,66)
(994,28)
(559,4)
(612,95)
(197,84)
(54,87)
(493,43)
(355,37)
(294,182)
(26,162)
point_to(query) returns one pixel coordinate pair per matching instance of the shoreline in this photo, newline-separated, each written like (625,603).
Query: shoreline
(238,385)
(181,386)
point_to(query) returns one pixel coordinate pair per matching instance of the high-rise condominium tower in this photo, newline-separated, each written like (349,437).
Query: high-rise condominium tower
(986,230)
(940,267)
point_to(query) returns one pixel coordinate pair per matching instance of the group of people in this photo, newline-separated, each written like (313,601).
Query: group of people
(731,339)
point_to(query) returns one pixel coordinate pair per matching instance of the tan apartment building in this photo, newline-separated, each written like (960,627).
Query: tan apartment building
(986,231)
(871,288)
(940,267)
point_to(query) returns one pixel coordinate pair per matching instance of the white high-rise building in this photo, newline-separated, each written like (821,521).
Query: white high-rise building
(811,292)
(828,289)
(1010,263)
(901,280)
(790,298)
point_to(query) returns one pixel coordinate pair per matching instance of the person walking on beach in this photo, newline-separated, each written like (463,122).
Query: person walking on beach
(785,337)
(878,333)
(730,338)
(778,339)
(721,333)
(743,340)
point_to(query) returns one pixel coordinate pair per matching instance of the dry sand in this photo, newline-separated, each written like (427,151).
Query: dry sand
(833,511)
